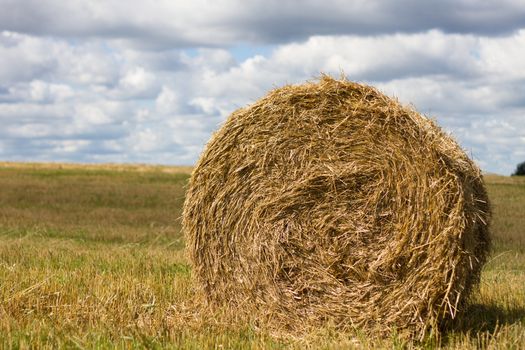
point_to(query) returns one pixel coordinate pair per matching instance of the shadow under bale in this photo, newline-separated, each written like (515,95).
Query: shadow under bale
(329,203)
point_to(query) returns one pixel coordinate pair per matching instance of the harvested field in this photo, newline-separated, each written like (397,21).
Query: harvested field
(74,277)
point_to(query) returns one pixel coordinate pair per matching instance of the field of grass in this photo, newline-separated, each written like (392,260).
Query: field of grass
(92,257)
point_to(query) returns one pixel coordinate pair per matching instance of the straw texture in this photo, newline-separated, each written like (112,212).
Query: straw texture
(329,203)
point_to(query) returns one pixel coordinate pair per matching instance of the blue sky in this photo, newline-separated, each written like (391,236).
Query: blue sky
(133,81)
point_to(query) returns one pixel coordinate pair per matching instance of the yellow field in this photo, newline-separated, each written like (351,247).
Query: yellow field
(92,257)
(107,166)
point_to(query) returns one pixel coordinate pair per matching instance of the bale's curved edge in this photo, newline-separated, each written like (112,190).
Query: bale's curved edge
(330,203)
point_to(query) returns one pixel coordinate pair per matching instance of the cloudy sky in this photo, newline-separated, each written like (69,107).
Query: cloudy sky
(148,81)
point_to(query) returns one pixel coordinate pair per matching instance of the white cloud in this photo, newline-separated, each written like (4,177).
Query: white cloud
(30,130)
(25,58)
(151,85)
(144,141)
(91,115)
(40,91)
(503,57)
(167,101)
(137,82)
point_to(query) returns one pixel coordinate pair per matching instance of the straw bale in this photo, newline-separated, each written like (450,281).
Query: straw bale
(329,203)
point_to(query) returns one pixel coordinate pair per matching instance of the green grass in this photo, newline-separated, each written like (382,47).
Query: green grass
(92,257)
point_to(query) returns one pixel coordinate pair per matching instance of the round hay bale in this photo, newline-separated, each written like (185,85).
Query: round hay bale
(329,203)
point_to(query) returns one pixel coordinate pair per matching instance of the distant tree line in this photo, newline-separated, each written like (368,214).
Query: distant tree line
(520,169)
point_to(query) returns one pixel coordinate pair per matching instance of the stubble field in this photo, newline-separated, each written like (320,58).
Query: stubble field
(93,257)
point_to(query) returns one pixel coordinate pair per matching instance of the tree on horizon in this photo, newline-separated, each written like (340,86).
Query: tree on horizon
(520,169)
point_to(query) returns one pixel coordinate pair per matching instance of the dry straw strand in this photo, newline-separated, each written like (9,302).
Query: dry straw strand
(329,203)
